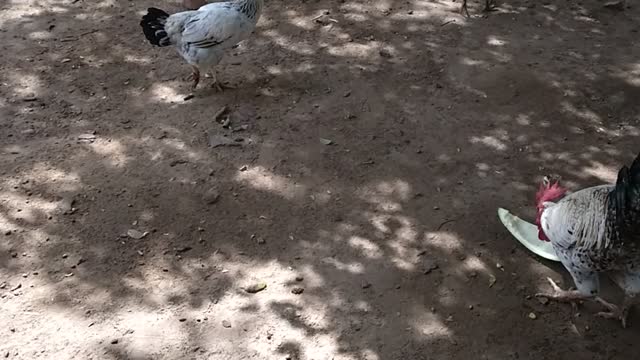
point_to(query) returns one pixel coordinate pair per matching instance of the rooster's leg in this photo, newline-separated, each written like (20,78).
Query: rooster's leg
(564,295)
(614,311)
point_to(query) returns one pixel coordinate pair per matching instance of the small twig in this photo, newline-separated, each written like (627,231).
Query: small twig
(318,17)
(447,22)
(89,32)
(445,223)
(72,38)
(219,113)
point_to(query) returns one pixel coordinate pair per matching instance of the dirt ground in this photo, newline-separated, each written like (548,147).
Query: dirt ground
(367,147)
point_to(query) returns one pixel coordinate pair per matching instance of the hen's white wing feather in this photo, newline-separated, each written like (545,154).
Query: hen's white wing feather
(221,26)
(202,36)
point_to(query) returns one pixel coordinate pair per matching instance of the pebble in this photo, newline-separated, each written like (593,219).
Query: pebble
(255,288)
(226,324)
(297,290)
(211,196)
(299,278)
(532,316)
(182,319)
(429,265)
(543,300)
(114,341)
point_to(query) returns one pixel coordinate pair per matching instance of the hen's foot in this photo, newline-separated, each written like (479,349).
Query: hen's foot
(221,87)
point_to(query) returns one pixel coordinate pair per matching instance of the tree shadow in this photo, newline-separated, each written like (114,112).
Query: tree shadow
(434,122)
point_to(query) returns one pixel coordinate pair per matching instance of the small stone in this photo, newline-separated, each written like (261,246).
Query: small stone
(532,316)
(297,290)
(64,256)
(324,141)
(16,287)
(429,265)
(543,300)
(385,54)
(211,196)
(492,280)
(8,232)
(135,234)
(182,319)
(226,324)
(255,288)
(299,278)
(260,240)
(244,168)
(114,341)
(615,5)
(366,285)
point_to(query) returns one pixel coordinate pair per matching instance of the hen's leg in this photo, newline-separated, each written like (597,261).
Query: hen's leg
(463,8)
(217,84)
(195,76)
(489,5)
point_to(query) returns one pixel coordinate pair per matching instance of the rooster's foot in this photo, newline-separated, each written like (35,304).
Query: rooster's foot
(559,294)
(614,311)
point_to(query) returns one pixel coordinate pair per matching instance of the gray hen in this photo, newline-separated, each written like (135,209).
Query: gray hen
(202,36)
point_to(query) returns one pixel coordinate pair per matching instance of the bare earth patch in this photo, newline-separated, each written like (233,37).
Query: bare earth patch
(344,207)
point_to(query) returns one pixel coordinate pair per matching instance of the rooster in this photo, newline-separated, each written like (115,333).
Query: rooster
(595,230)
(202,36)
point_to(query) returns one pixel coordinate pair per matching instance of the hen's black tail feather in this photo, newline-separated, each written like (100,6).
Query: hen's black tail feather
(626,197)
(153,27)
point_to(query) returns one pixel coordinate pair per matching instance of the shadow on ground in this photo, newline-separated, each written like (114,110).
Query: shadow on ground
(127,236)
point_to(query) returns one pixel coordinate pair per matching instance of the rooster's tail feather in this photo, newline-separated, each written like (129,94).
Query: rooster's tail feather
(625,198)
